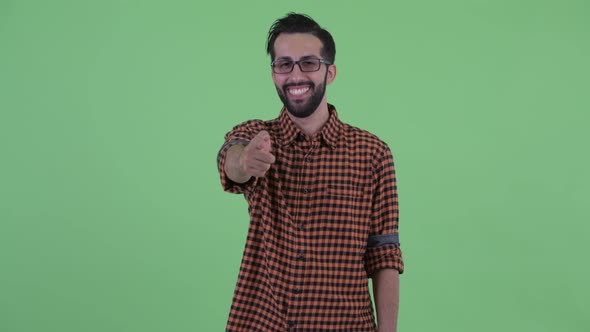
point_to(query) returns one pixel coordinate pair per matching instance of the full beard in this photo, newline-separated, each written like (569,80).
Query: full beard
(302,108)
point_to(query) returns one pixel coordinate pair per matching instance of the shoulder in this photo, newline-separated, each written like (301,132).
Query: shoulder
(360,139)
(249,125)
(258,124)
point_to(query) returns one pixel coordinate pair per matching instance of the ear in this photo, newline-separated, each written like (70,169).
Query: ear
(331,74)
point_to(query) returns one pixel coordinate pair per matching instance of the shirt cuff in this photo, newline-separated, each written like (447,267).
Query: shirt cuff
(384,256)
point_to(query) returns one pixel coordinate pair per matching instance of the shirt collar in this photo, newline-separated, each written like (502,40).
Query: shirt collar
(329,132)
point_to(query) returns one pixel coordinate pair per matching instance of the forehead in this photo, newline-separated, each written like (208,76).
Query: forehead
(297,45)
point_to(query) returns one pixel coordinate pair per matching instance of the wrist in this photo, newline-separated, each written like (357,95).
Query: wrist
(234,167)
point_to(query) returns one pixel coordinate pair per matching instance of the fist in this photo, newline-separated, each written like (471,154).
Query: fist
(256,157)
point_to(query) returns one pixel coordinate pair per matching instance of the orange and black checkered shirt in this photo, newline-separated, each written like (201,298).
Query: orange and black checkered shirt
(323,220)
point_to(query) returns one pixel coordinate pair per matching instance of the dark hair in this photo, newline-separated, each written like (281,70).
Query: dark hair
(301,23)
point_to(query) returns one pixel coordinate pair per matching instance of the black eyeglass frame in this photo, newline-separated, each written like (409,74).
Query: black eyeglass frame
(298,63)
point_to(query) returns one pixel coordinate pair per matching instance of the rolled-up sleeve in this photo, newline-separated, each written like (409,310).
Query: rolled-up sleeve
(240,134)
(383,247)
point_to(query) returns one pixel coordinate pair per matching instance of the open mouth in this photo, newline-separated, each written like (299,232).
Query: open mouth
(298,91)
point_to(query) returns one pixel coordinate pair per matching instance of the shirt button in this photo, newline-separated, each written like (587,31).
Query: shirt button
(308,160)
(301,257)
(306,191)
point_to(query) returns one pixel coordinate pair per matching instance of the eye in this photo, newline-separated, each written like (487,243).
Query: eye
(284,64)
(310,64)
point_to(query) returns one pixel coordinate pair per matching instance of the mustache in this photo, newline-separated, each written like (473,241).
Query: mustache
(288,85)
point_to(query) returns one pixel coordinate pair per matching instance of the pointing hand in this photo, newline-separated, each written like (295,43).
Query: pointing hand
(256,157)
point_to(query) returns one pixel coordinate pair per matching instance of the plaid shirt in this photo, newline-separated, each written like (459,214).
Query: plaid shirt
(323,220)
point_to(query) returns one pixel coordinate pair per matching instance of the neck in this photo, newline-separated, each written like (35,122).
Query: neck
(313,123)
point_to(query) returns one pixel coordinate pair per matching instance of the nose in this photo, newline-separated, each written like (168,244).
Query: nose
(296,75)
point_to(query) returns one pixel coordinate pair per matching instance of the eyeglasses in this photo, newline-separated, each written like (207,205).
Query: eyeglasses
(285,66)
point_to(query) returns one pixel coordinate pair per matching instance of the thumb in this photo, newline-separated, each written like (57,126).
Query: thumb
(262,141)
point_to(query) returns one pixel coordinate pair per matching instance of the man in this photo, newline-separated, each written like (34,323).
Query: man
(322,201)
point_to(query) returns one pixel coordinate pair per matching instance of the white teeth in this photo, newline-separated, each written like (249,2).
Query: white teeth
(298,91)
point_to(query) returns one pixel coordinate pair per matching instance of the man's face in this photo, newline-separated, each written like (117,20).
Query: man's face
(301,92)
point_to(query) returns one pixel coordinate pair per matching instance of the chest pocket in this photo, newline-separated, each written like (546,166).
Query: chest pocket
(347,200)
(346,192)
(344,212)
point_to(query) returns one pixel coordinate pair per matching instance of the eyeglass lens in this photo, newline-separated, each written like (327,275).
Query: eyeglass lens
(305,65)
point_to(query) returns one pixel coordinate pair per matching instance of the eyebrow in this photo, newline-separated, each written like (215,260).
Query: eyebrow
(303,57)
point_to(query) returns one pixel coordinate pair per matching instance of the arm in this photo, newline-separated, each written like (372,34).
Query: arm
(386,293)
(383,257)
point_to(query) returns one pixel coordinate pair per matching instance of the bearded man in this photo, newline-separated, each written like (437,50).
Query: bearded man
(322,199)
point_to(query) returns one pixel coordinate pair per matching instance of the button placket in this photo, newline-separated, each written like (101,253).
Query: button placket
(304,185)
(307,178)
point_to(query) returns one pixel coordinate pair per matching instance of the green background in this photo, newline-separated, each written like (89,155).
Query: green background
(112,217)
